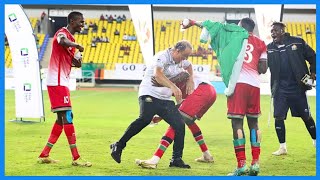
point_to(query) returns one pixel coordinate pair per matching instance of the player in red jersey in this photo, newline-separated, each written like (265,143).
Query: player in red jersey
(193,107)
(63,57)
(245,101)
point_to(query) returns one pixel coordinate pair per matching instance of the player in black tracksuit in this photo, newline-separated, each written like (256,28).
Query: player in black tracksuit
(287,57)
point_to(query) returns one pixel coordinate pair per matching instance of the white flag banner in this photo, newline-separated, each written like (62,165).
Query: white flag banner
(266,15)
(142,19)
(26,70)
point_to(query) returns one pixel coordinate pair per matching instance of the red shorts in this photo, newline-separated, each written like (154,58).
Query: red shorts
(244,101)
(59,98)
(198,103)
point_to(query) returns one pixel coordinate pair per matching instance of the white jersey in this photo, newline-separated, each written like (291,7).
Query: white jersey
(164,60)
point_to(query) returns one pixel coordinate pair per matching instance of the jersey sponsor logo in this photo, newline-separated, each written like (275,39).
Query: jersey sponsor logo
(294,47)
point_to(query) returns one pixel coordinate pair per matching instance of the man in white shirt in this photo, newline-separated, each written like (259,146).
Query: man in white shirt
(157,100)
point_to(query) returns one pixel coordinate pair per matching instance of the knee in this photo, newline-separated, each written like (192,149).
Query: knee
(68,117)
(237,124)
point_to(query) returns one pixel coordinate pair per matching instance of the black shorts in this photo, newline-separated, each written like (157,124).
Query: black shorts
(298,104)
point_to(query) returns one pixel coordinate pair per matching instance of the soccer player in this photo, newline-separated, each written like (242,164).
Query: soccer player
(244,98)
(157,100)
(63,57)
(245,101)
(193,107)
(287,57)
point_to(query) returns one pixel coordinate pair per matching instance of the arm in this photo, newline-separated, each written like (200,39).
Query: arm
(262,67)
(186,23)
(310,56)
(163,80)
(64,41)
(190,82)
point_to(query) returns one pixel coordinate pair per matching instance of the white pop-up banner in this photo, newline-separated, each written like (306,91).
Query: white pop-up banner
(142,19)
(28,92)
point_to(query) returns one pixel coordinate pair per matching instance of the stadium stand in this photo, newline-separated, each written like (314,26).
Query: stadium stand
(105,49)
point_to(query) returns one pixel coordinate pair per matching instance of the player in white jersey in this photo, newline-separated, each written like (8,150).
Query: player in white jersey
(245,101)
(157,100)
(62,59)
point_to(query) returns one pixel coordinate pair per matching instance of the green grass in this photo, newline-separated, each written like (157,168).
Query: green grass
(100,118)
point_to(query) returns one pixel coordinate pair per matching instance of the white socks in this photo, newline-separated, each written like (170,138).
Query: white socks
(314,142)
(207,153)
(283,145)
(154,160)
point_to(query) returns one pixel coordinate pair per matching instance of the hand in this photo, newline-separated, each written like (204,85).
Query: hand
(156,119)
(313,77)
(77,62)
(186,23)
(190,86)
(181,77)
(177,93)
(81,49)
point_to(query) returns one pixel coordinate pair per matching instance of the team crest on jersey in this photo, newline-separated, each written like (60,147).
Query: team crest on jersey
(294,47)
(148,99)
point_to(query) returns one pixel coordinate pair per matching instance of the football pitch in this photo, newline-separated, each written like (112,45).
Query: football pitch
(102,115)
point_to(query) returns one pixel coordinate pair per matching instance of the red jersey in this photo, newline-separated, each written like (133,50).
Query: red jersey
(256,49)
(61,60)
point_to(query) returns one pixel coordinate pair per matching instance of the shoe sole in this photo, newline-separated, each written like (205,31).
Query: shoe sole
(204,161)
(179,167)
(279,154)
(40,161)
(82,165)
(114,158)
(148,166)
(253,173)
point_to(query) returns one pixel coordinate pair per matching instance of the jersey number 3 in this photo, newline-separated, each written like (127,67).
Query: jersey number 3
(248,56)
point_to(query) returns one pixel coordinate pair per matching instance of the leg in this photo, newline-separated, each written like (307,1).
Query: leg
(237,107)
(69,130)
(311,127)
(255,139)
(165,142)
(53,138)
(239,141)
(194,107)
(300,108)
(197,134)
(148,108)
(281,107)
(57,95)
(173,117)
